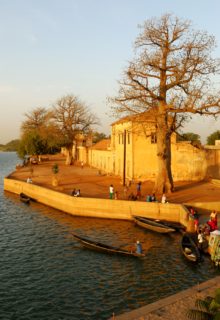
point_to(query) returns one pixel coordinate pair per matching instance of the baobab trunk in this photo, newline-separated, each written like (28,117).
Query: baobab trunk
(69,156)
(164,180)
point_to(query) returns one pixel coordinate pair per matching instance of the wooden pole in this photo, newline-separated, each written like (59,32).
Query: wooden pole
(124,166)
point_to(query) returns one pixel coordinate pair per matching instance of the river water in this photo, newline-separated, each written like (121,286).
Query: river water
(46,275)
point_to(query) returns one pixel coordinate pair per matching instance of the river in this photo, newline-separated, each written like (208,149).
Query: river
(46,275)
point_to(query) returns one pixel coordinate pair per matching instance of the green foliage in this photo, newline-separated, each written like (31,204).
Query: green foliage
(98,136)
(55,168)
(207,309)
(39,134)
(10,146)
(212,137)
(188,136)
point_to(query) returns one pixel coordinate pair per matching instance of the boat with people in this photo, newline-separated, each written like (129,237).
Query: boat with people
(190,248)
(153,225)
(24,198)
(98,246)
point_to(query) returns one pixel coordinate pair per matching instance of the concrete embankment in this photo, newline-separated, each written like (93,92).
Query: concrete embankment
(101,208)
(175,306)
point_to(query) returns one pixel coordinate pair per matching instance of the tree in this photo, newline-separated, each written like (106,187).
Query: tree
(98,136)
(39,135)
(188,136)
(73,118)
(212,137)
(170,78)
(206,309)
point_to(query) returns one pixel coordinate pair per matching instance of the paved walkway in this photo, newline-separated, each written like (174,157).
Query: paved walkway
(175,306)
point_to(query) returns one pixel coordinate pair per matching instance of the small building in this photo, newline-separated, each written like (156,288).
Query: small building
(132,152)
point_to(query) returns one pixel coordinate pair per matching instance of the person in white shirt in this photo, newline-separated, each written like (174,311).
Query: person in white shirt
(111,191)
(164,198)
(29,180)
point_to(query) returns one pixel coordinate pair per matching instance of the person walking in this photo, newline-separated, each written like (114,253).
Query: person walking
(111,191)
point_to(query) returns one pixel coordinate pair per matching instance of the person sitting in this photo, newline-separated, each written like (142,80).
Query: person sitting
(73,192)
(153,198)
(139,247)
(77,193)
(29,180)
(148,198)
(132,197)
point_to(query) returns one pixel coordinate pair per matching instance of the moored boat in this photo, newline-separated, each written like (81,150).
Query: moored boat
(24,198)
(152,225)
(98,246)
(189,248)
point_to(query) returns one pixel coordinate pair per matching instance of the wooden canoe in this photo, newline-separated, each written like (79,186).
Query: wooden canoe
(152,225)
(98,246)
(189,248)
(24,198)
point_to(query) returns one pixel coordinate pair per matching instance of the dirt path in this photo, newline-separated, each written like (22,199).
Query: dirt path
(92,184)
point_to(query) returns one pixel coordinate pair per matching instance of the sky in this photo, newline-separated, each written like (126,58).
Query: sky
(50,48)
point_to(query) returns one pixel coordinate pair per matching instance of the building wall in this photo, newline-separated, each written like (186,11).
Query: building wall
(188,162)
(101,159)
(213,161)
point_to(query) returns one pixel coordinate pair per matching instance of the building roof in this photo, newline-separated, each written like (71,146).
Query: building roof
(139,117)
(102,145)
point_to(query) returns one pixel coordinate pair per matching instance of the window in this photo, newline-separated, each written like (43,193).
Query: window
(153,137)
(119,136)
(122,138)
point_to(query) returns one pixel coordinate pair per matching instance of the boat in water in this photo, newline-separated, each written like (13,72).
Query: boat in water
(98,246)
(24,198)
(153,225)
(189,247)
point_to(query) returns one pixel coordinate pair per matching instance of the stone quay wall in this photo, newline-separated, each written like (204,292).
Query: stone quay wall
(99,208)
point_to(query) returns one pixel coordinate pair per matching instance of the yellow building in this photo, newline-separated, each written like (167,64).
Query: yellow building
(131,153)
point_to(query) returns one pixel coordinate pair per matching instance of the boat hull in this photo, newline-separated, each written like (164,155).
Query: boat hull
(95,245)
(152,225)
(189,248)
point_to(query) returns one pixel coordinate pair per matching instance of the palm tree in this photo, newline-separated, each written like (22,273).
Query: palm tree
(207,309)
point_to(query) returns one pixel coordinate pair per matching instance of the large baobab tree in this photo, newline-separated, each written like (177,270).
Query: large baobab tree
(170,77)
(72,117)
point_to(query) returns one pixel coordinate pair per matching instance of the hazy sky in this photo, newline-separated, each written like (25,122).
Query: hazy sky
(50,48)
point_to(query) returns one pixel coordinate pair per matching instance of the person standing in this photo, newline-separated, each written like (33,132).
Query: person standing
(111,191)
(82,164)
(164,198)
(139,249)
(139,190)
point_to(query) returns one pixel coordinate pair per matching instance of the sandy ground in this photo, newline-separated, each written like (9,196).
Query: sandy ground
(94,185)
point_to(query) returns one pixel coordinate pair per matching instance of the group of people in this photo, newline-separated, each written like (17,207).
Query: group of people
(151,198)
(133,196)
(209,226)
(203,230)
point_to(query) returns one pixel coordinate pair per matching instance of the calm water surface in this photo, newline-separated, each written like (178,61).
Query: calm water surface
(46,275)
